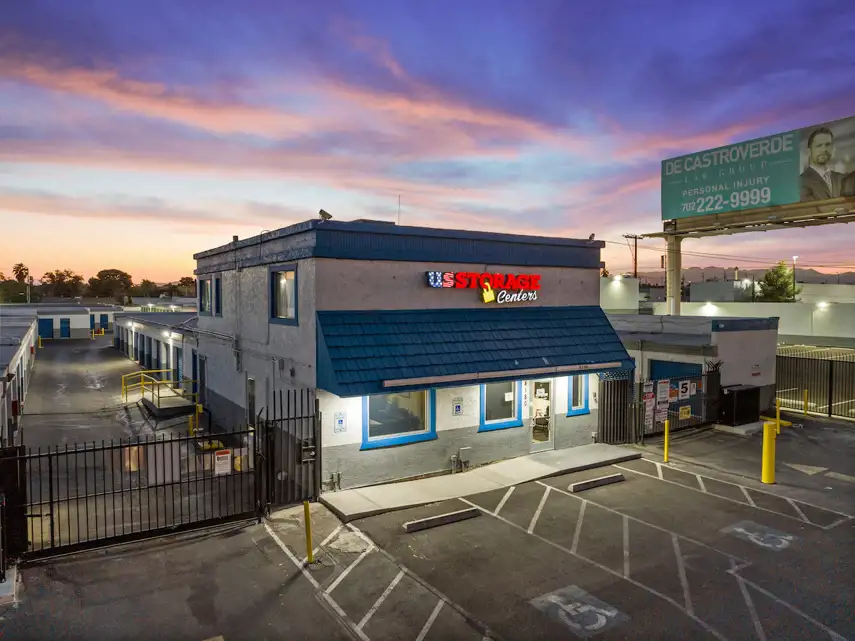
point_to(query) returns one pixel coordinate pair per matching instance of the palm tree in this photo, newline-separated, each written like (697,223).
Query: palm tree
(21,271)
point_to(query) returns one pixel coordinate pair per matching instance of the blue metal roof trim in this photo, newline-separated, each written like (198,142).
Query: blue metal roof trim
(744,324)
(357,351)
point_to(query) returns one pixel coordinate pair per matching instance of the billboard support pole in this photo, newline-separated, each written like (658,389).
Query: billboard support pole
(673,282)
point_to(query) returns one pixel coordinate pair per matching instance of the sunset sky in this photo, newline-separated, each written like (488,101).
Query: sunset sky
(133,134)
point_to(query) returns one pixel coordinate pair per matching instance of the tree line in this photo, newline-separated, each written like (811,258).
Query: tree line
(65,283)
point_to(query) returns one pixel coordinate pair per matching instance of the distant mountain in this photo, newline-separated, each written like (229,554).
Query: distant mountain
(701,274)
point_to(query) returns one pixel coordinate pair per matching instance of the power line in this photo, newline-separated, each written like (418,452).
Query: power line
(764,261)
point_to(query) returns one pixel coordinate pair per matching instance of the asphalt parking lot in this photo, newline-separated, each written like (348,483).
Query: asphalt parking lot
(75,395)
(666,554)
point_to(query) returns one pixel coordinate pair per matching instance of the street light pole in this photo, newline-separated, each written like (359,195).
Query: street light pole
(795,258)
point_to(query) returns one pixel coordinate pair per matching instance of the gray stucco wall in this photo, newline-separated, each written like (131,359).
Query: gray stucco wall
(367,467)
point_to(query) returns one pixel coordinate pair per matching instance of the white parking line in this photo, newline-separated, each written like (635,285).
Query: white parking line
(380,600)
(747,496)
(845,517)
(659,471)
(505,499)
(429,623)
(681,570)
(604,568)
(578,531)
(331,536)
(749,603)
(538,510)
(350,567)
(791,608)
(326,597)
(701,483)
(625,546)
(798,510)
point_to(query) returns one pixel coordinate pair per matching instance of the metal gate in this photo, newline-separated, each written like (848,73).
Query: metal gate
(292,448)
(60,500)
(824,380)
(625,416)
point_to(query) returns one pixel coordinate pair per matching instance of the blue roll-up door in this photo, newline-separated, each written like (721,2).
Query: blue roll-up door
(660,370)
(105,321)
(46,327)
(65,328)
(91,321)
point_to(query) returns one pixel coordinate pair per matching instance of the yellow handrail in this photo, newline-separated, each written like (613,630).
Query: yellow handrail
(126,387)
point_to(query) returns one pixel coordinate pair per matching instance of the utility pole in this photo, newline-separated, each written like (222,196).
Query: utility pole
(634,238)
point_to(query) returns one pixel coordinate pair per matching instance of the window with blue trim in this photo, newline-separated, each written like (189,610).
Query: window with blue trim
(501,406)
(205,296)
(283,294)
(218,296)
(398,419)
(577,395)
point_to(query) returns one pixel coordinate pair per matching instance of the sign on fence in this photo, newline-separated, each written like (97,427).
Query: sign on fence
(222,462)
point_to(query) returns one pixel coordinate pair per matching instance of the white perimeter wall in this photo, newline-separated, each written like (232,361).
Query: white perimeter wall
(836,320)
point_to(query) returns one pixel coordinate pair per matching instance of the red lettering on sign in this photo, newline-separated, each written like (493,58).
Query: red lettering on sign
(474,280)
(448,279)
(483,281)
(522,281)
(460,279)
(534,281)
(511,282)
(498,281)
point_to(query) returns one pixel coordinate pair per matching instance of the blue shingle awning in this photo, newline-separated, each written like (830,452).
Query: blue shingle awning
(377,352)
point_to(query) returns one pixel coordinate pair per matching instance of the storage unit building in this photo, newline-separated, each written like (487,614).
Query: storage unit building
(17,359)
(419,343)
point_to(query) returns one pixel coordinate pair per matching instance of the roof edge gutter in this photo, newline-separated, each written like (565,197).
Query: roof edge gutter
(487,376)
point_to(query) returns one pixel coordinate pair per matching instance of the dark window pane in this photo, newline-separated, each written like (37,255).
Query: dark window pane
(393,414)
(499,401)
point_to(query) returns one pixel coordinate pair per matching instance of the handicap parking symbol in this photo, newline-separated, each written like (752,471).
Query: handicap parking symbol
(761,535)
(584,614)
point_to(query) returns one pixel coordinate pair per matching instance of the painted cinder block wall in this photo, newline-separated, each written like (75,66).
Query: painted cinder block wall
(342,454)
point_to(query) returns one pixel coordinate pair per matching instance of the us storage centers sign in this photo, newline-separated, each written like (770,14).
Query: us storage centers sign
(811,164)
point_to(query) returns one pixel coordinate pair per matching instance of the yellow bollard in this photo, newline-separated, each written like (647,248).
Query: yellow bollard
(307,520)
(767,472)
(40,342)
(777,416)
(806,402)
(667,436)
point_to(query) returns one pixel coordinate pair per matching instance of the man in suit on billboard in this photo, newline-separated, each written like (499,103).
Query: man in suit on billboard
(819,181)
(848,186)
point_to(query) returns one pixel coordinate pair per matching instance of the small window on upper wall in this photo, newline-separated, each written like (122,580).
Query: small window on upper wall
(577,395)
(218,296)
(283,294)
(205,296)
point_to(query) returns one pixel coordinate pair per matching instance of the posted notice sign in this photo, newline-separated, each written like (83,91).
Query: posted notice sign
(816,163)
(222,462)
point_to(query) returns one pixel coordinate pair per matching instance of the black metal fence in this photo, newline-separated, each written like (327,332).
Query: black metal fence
(631,411)
(292,441)
(821,381)
(62,499)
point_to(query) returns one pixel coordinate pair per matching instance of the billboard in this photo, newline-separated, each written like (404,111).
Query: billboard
(812,164)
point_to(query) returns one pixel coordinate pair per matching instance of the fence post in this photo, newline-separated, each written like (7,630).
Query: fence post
(806,402)
(830,387)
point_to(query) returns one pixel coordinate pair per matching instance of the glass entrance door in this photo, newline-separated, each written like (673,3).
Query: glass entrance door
(542,419)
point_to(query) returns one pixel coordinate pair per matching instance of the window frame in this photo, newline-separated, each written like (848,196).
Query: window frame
(428,434)
(504,423)
(586,397)
(273,275)
(201,288)
(217,296)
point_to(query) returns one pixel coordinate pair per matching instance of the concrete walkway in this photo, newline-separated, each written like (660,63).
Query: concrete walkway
(362,502)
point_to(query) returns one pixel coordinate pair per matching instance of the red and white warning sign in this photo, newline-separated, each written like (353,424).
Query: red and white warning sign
(222,462)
